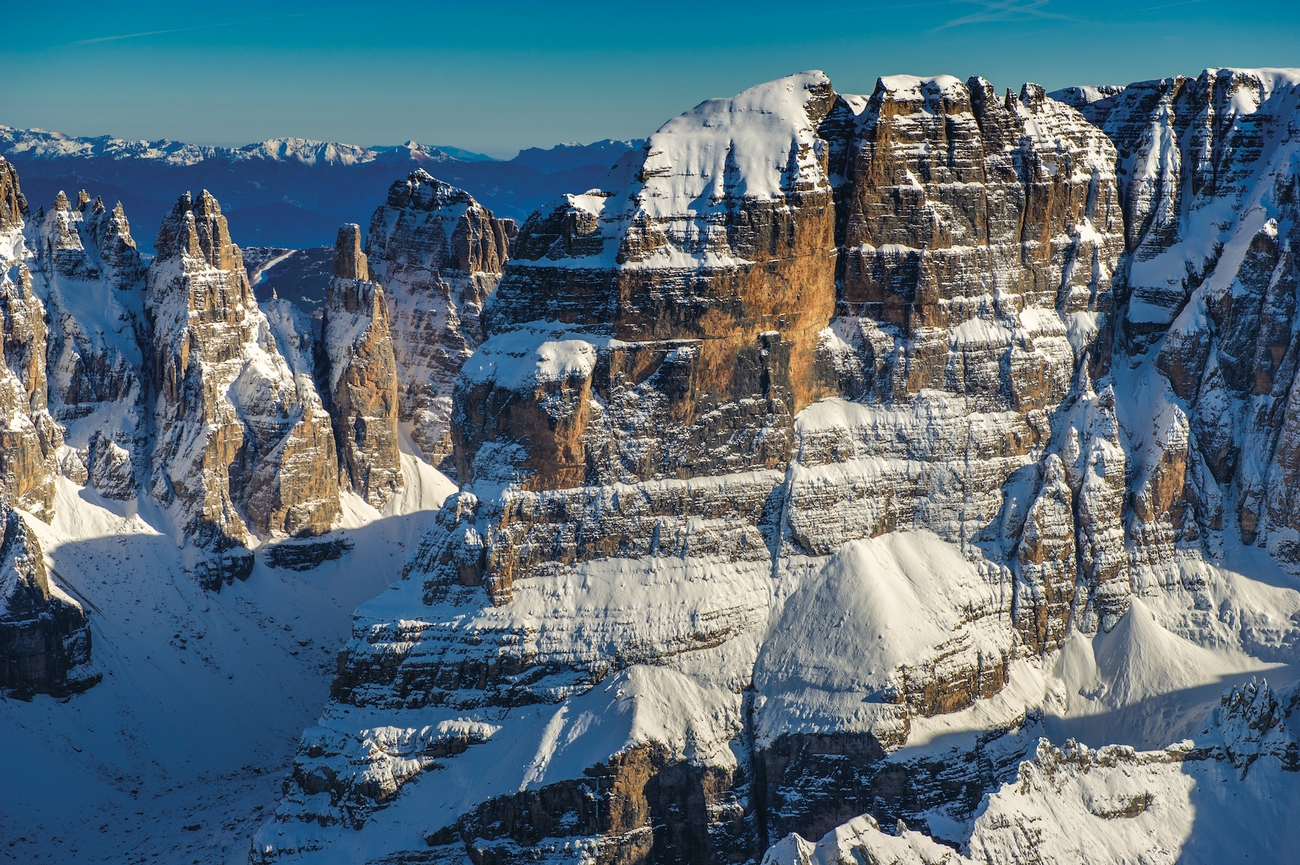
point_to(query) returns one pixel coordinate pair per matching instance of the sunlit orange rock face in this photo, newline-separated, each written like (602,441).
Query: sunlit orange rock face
(826,414)
(796,321)
(706,292)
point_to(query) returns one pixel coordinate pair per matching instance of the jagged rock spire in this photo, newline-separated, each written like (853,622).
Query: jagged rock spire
(245,445)
(362,373)
(13,206)
(196,229)
(432,240)
(349,261)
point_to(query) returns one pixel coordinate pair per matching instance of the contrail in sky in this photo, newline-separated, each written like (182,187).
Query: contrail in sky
(1004,10)
(187,29)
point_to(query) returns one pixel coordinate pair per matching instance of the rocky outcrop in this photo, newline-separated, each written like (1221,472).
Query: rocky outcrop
(30,440)
(90,278)
(647,442)
(243,442)
(1046,560)
(641,804)
(1114,803)
(44,636)
(438,254)
(980,237)
(109,468)
(362,373)
(695,289)
(1210,204)
(13,204)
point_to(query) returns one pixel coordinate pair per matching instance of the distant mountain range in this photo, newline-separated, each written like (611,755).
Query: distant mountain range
(289,192)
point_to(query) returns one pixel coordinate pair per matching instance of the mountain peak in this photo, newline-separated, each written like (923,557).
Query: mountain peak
(349,260)
(196,230)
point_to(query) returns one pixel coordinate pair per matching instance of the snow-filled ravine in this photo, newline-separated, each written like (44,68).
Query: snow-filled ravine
(179,753)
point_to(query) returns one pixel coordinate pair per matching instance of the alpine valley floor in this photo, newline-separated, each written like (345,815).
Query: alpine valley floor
(179,753)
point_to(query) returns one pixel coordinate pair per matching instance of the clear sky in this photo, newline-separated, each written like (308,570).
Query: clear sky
(495,77)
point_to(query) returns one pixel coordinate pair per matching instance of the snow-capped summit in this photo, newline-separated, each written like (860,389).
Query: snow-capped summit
(291,192)
(39,144)
(801,478)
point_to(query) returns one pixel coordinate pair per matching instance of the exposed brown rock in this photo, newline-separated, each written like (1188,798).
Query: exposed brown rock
(1046,561)
(242,439)
(640,806)
(13,205)
(648,408)
(362,373)
(30,439)
(439,255)
(196,230)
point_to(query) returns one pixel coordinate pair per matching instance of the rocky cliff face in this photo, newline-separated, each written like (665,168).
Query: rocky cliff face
(30,440)
(803,354)
(438,254)
(1210,201)
(362,371)
(787,449)
(242,443)
(1115,804)
(45,263)
(810,464)
(44,636)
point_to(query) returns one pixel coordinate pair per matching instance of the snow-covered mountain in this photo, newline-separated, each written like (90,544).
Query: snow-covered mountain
(806,473)
(909,471)
(291,192)
(166,435)
(170,384)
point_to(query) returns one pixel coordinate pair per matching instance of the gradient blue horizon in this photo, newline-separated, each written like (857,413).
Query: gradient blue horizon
(498,78)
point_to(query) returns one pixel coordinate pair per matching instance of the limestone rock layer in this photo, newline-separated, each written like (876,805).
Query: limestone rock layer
(814,422)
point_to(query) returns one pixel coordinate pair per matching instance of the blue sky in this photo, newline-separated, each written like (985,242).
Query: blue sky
(497,77)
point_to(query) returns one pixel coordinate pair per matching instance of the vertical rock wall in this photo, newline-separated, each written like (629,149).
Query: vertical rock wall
(661,463)
(241,442)
(44,636)
(90,278)
(362,373)
(30,439)
(1211,199)
(438,254)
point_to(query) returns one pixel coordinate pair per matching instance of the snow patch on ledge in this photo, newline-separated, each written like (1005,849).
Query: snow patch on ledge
(536,354)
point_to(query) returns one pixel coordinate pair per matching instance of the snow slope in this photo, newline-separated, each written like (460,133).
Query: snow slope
(180,751)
